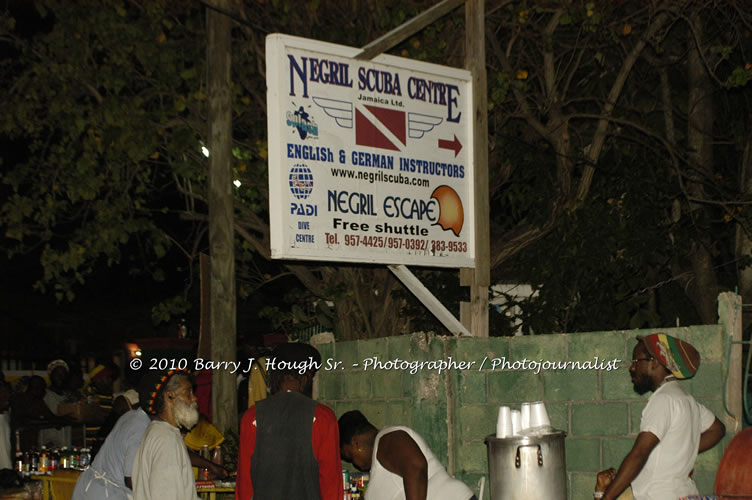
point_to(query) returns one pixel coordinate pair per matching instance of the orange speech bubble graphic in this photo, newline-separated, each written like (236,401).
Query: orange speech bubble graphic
(451,214)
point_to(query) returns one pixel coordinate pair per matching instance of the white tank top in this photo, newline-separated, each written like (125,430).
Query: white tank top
(385,485)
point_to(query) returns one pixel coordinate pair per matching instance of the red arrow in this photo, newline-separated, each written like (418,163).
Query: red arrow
(454,145)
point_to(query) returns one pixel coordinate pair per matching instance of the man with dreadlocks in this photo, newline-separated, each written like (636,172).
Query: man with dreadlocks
(162,468)
(289,431)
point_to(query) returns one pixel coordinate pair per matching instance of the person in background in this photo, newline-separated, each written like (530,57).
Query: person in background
(99,392)
(253,385)
(400,463)
(109,476)
(57,393)
(101,379)
(56,397)
(124,402)
(289,443)
(30,405)
(162,468)
(74,383)
(29,412)
(121,404)
(5,448)
(674,427)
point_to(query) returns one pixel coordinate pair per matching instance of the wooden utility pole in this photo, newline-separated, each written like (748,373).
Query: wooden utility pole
(478,279)
(222,308)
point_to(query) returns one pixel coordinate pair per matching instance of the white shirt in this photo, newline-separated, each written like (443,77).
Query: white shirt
(5,449)
(58,437)
(385,485)
(162,469)
(105,478)
(677,420)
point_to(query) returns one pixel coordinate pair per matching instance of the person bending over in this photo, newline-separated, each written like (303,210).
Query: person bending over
(401,464)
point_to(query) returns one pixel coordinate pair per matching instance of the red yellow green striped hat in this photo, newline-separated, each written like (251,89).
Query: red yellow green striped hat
(679,357)
(150,386)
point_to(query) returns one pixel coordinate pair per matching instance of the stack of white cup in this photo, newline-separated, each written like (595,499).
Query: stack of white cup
(531,418)
(504,423)
(525,416)
(539,416)
(516,422)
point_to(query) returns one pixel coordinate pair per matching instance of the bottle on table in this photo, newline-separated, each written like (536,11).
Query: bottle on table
(54,460)
(64,458)
(44,461)
(26,464)
(217,456)
(85,459)
(34,461)
(74,458)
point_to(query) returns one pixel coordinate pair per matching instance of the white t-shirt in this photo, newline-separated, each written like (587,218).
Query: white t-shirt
(677,420)
(5,449)
(385,485)
(105,478)
(58,437)
(162,469)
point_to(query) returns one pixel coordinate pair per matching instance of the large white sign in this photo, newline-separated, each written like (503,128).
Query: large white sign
(369,161)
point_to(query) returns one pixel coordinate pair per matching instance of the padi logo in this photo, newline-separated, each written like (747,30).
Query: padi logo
(301,181)
(303,122)
(301,186)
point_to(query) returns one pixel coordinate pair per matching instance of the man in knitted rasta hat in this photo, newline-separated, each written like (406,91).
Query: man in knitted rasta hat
(289,443)
(674,426)
(162,467)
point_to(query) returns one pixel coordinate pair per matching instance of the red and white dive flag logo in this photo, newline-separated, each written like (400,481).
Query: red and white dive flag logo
(380,128)
(383,128)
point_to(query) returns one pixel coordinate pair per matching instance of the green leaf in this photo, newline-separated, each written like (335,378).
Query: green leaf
(159,250)
(188,74)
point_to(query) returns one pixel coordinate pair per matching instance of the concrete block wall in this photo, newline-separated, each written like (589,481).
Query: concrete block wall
(389,396)
(596,407)
(456,409)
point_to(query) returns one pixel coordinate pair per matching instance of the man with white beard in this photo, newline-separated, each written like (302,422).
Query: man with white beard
(162,468)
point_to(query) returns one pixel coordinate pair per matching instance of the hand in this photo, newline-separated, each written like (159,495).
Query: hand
(217,472)
(604,479)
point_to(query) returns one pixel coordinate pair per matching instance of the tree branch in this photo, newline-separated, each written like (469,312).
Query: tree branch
(599,136)
(519,96)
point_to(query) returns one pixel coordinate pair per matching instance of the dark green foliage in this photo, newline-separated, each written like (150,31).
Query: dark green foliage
(104,109)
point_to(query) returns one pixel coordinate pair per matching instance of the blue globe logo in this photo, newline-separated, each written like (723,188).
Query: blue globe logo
(301,181)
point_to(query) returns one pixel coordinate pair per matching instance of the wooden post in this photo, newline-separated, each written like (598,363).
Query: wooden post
(221,234)
(730,318)
(204,333)
(478,279)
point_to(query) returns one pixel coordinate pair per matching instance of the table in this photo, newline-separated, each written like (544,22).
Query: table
(211,493)
(59,485)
